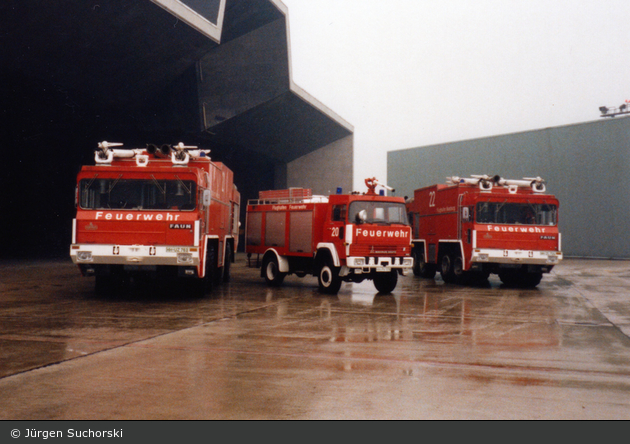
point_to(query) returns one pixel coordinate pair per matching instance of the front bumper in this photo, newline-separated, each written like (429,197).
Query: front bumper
(134,255)
(529,257)
(360,264)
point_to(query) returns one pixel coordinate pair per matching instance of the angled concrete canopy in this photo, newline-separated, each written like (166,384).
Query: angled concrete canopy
(215,73)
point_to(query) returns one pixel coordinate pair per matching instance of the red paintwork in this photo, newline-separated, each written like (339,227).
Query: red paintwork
(434,214)
(151,227)
(368,240)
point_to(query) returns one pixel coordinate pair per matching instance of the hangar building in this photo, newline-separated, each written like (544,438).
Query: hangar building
(585,165)
(211,73)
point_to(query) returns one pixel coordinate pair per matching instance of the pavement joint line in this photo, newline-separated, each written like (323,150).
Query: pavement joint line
(130,343)
(432,364)
(619,328)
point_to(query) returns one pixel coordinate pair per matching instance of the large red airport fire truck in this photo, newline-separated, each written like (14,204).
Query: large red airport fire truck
(165,211)
(342,237)
(471,227)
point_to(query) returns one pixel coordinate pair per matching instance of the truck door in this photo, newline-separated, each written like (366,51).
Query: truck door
(466,219)
(338,221)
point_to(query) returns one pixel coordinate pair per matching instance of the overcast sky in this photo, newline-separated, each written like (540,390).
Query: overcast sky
(409,73)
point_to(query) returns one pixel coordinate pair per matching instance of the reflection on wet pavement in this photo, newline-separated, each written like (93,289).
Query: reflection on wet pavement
(247,351)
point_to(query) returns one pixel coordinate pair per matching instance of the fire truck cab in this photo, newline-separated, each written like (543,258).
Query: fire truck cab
(164,211)
(471,227)
(341,237)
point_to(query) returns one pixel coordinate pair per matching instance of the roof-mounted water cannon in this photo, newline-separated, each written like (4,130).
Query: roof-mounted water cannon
(105,145)
(484,181)
(537,184)
(372,183)
(181,154)
(104,154)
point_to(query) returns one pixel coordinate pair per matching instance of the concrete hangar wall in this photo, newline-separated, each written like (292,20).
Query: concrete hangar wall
(211,73)
(585,165)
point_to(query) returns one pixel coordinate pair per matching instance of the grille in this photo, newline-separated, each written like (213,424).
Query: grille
(375,250)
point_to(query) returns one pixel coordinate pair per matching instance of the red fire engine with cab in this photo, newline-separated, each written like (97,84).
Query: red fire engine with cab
(168,211)
(471,227)
(342,237)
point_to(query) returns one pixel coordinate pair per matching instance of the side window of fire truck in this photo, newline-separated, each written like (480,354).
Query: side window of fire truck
(339,213)
(484,214)
(546,214)
(181,195)
(88,195)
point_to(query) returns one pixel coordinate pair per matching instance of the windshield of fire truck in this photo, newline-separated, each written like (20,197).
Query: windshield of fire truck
(516,213)
(377,213)
(137,194)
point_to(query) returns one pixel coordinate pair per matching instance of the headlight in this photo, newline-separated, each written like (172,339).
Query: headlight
(552,259)
(184,258)
(84,256)
(359,262)
(407,262)
(483,257)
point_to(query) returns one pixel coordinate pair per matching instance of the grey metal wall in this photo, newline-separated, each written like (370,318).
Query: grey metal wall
(325,169)
(587,166)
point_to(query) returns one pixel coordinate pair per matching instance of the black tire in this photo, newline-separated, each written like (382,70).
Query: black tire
(459,274)
(196,288)
(228,262)
(509,278)
(531,280)
(208,281)
(520,279)
(446,269)
(328,278)
(417,257)
(110,284)
(427,271)
(421,268)
(271,271)
(386,282)
(478,277)
(103,285)
(458,266)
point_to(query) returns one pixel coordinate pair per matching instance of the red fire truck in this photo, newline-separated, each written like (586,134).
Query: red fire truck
(165,211)
(341,237)
(471,227)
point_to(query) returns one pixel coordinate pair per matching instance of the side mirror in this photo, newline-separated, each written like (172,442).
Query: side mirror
(361,216)
(207,198)
(466,214)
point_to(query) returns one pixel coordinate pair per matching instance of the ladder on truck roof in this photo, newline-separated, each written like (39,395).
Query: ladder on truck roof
(288,196)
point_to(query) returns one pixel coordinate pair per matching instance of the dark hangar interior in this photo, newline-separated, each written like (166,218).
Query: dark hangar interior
(78,72)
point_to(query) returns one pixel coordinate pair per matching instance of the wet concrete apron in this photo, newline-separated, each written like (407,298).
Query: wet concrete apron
(246,351)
